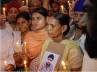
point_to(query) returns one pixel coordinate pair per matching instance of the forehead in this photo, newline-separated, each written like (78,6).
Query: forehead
(13,10)
(52,20)
(36,14)
(21,19)
(88,3)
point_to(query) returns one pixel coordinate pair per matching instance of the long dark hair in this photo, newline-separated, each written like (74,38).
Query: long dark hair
(41,10)
(91,37)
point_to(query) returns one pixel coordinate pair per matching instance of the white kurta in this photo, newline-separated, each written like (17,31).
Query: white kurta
(6,48)
(16,37)
(89,64)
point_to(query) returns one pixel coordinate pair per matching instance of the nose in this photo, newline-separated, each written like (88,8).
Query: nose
(49,28)
(13,15)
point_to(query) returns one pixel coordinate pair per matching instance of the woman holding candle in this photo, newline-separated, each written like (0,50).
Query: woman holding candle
(22,22)
(36,37)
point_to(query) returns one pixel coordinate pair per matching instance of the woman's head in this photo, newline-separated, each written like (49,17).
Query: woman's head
(91,38)
(58,24)
(39,19)
(23,21)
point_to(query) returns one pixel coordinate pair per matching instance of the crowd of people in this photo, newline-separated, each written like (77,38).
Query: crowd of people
(27,32)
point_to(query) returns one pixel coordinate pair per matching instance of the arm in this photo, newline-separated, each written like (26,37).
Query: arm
(10,59)
(75,59)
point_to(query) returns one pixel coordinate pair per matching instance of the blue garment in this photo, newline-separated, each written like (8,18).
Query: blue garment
(79,6)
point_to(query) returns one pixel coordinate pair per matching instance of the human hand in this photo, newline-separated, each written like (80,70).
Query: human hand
(9,67)
(2,18)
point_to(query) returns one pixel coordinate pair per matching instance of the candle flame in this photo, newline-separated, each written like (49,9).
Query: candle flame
(5,62)
(4,10)
(62,9)
(63,64)
(17,43)
(25,62)
(25,43)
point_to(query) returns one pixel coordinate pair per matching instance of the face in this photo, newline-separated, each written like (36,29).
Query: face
(54,28)
(92,15)
(12,14)
(49,61)
(2,21)
(55,7)
(34,4)
(23,24)
(38,22)
(62,1)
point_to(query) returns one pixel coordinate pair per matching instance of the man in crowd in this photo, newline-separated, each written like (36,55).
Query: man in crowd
(6,47)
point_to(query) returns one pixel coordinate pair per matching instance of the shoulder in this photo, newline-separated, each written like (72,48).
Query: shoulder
(70,43)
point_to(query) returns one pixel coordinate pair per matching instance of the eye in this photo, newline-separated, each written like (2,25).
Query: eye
(38,18)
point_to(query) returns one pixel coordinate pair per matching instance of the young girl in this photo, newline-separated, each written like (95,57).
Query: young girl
(22,22)
(36,37)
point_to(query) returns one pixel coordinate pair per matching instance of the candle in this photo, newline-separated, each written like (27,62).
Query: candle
(69,3)
(69,6)
(5,62)
(27,2)
(17,49)
(62,9)
(4,11)
(25,62)
(25,65)
(23,2)
(64,65)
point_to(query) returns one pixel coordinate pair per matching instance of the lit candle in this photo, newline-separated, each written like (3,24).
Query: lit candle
(27,2)
(25,65)
(64,65)
(4,11)
(5,62)
(23,2)
(69,3)
(62,9)
(69,6)
(17,47)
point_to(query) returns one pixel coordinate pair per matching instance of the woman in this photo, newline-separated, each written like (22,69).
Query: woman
(90,52)
(22,22)
(36,37)
(58,27)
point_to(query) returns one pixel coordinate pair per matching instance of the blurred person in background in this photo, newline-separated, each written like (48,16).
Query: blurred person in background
(90,48)
(6,47)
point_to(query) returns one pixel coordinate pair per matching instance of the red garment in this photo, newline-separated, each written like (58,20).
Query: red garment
(13,3)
